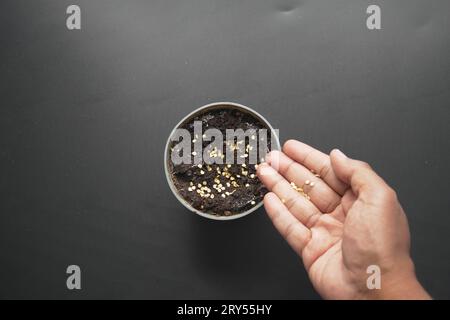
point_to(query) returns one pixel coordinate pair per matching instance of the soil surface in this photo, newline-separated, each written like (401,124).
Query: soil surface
(228,188)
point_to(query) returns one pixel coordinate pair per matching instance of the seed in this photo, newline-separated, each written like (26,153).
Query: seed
(252,176)
(247,185)
(189,189)
(307,182)
(199,165)
(253,202)
(204,183)
(199,185)
(256,166)
(194,141)
(202,172)
(229,165)
(212,196)
(194,153)
(223,195)
(312,184)
(253,137)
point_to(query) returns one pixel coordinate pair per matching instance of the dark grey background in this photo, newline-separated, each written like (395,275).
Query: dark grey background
(85,115)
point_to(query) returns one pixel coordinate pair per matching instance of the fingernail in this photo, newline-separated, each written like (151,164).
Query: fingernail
(339,153)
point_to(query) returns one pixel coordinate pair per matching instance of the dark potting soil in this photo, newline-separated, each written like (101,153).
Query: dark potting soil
(221,189)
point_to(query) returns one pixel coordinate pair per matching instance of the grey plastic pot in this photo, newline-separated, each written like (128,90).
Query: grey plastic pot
(208,107)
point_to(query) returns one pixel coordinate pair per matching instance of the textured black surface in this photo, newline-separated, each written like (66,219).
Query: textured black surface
(84,116)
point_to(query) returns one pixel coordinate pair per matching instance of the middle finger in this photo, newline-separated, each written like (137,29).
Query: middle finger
(322,195)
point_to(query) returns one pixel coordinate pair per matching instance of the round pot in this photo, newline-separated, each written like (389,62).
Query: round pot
(205,108)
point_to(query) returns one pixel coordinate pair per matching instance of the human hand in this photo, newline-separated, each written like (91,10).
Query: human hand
(352,220)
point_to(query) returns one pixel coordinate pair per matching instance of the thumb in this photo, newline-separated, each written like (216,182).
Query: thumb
(359,175)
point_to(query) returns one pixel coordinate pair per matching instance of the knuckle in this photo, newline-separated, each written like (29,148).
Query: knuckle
(324,170)
(331,205)
(312,220)
(277,184)
(389,196)
(290,167)
(291,202)
(364,165)
(290,230)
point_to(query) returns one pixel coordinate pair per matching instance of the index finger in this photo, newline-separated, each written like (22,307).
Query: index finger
(295,233)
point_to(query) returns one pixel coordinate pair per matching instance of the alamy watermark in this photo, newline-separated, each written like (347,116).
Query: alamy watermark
(73,281)
(374,280)
(250,146)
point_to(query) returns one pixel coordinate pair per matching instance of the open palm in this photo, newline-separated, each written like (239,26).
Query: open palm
(345,220)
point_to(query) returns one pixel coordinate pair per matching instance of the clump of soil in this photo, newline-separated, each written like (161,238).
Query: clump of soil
(222,189)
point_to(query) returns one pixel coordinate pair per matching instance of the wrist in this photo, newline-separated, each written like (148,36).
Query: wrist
(399,285)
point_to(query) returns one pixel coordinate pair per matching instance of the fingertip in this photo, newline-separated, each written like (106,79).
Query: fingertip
(340,164)
(271,156)
(338,154)
(268,196)
(290,144)
(261,168)
(271,200)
